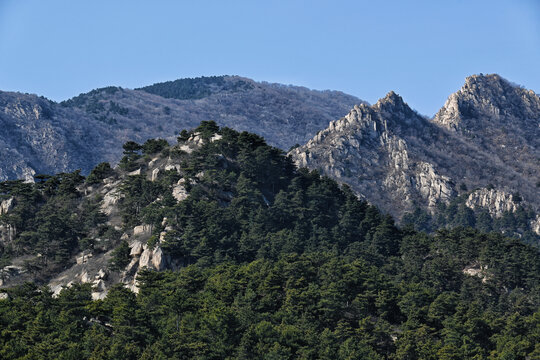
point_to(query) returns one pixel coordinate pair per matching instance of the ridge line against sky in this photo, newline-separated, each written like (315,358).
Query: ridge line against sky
(421,49)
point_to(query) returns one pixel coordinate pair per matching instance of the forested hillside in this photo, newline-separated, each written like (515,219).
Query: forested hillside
(217,247)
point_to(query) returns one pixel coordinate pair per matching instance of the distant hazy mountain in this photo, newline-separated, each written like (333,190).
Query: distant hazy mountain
(41,136)
(483,145)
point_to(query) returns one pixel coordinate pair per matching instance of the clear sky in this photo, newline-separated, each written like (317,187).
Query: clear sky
(423,50)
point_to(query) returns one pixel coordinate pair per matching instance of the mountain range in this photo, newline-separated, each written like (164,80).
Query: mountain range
(41,136)
(482,147)
(476,158)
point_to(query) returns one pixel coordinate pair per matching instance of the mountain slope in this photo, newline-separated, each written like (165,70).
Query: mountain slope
(42,136)
(399,160)
(218,247)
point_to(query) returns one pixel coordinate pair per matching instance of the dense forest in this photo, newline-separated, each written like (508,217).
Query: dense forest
(276,263)
(457,214)
(197,88)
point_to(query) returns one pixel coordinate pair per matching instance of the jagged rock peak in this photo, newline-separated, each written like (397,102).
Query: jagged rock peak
(487,96)
(391,100)
(480,81)
(494,88)
(393,109)
(390,112)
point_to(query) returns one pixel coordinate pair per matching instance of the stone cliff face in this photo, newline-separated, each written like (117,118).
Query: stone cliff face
(495,201)
(486,134)
(41,136)
(369,149)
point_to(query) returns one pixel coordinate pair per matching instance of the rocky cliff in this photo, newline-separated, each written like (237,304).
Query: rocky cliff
(486,136)
(40,136)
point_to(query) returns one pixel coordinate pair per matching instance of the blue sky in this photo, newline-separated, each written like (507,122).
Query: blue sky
(423,50)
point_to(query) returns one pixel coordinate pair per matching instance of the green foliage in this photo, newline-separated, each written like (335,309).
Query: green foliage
(120,256)
(131,155)
(131,147)
(51,221)
(100,172)
(138,193)
(153,146)
(207,129)
(457,214)
(196,88)
(184,136)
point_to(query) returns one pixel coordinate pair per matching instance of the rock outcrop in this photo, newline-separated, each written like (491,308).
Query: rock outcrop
(496,202)
(92,267)
(535,225)
(6,205)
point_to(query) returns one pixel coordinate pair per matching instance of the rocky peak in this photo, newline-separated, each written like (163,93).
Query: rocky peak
(369,150)
(389,114)
(487,97)
(391,100)
(392,103)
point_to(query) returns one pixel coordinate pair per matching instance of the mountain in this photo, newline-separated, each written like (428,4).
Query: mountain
(499,118)
(482,149)
(41,136)
(218,247)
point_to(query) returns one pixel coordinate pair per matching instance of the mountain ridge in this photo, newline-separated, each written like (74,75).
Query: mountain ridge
(390,148)
(87,128)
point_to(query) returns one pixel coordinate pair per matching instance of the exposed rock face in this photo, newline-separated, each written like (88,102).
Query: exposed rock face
(179,192)
(7,231)
(535,225)
(146,258)
(503,120)
(41,136)
(142,230)
(370,149)
(495,201)
(477,270)
(136,248)
(6,205)
(487,133)
(155,174)
(158,259)
(432,186)
(83,257)
(38,136)
(488,97)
